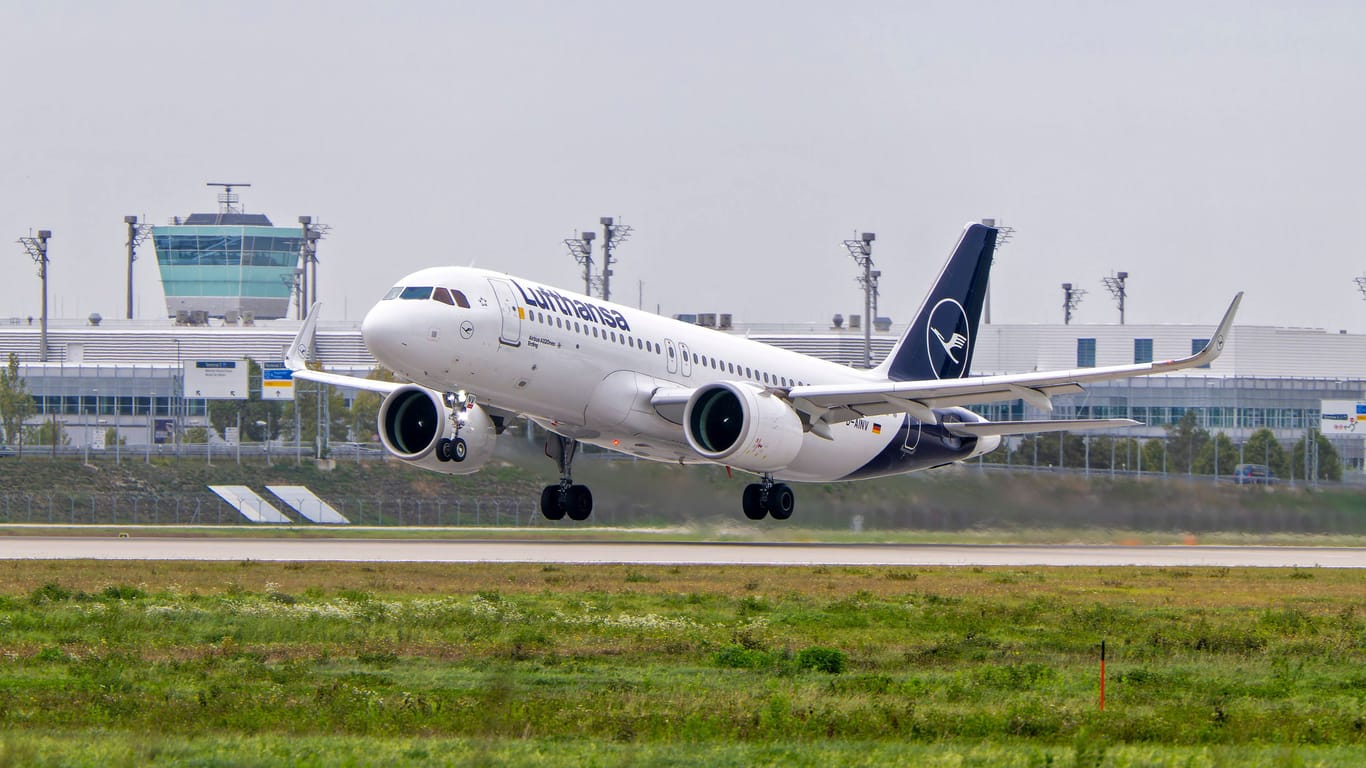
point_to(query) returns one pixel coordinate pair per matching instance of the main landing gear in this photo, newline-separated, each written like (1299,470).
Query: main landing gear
(768,498)
(454,448)
(566,498)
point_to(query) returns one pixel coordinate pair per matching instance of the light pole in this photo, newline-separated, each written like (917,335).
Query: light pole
(137,234)
(582,250)
(1071,297)
(266,424)
(613,235)
(862,251)
(1115,285)
(37,248)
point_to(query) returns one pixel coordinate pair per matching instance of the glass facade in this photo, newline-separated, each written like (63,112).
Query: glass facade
(224,267)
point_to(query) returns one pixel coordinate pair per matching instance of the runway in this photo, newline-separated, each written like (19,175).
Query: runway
(659,553)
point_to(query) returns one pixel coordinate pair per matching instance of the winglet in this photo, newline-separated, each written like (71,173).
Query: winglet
(301,349)
(1215,346)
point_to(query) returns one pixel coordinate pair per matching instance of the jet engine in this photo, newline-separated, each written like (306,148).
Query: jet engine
(736,424)
(417,426)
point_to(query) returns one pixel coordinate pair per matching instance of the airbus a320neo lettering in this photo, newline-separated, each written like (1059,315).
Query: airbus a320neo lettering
(478,348)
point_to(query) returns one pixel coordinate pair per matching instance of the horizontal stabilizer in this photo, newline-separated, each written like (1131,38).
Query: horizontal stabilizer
(1003,428)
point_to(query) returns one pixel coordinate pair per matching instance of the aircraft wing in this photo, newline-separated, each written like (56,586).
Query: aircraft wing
(833,403)
(301,349)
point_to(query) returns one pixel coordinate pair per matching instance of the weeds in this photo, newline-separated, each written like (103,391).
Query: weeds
(1004,660)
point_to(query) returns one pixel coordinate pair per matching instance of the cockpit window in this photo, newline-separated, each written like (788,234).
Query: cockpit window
(393,293)
(422,292)
(442,295)
(460,300)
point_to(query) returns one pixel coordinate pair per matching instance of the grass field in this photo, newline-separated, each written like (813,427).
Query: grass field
(323,664)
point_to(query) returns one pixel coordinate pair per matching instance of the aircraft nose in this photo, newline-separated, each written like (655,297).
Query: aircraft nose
(382,331)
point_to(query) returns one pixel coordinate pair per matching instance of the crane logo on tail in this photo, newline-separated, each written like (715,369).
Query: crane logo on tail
(946,341)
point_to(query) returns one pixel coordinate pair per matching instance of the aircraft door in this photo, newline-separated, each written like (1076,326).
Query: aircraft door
(671,355)
(686,364)
(512,312)
(912,428)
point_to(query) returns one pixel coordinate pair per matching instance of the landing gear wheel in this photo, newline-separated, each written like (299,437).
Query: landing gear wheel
(578,502)
(781,501)
(443,450)
(457,449)
(550,503)
(752,502)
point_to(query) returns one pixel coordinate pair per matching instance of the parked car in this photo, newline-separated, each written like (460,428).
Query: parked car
(1253,474)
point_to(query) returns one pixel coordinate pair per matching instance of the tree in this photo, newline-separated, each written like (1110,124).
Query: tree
(226,413)
(1330,466)
(16,404)
(1155,455)
(1073,450)
(50,432)
(306,397)
(1263,448)
(1185,439)
(365,410)
(1227,456)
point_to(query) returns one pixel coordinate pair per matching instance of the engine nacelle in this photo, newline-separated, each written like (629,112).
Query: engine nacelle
(413,420)
(985,444)
(733,423)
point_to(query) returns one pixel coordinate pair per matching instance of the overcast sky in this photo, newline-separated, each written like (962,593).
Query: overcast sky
(1205,148)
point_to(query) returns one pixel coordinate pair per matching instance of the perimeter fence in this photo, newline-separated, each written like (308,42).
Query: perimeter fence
(208,509)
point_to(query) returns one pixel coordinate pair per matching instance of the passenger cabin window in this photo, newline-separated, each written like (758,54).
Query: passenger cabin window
(412,292)
(444,296)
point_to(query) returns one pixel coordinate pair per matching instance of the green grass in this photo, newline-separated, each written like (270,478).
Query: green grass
(317,663)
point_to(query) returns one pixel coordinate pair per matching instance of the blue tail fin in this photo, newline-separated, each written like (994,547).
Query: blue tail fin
(939,343)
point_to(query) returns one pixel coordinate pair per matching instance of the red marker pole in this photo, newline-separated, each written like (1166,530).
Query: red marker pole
(1102,675)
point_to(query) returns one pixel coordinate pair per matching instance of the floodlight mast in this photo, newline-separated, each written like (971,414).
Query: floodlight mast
(308,256)
(1003,236)
(581,248)
(613,235)
(137,235)
(37,248)
(1361,285)
(862,251)
(1115,285)
(1071,297)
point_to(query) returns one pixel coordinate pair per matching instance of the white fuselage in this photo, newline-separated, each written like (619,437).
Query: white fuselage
(587,368)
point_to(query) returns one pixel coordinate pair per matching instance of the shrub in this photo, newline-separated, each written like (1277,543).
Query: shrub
(830,660)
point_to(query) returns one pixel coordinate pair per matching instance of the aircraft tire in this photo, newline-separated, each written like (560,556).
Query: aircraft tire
(751,501)
(458,449)
(443,449)
(578,502)
(781,501)
(550,503)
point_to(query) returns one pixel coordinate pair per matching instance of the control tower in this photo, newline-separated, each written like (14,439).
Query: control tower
(227,264)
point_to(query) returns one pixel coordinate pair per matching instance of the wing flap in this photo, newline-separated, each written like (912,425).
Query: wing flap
(1003,428)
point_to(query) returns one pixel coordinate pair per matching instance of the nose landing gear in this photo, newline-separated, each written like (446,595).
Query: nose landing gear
(454,448)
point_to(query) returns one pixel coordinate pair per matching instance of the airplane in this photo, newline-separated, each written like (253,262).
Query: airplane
(475,349)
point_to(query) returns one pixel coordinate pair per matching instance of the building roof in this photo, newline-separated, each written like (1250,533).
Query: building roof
(227,219)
